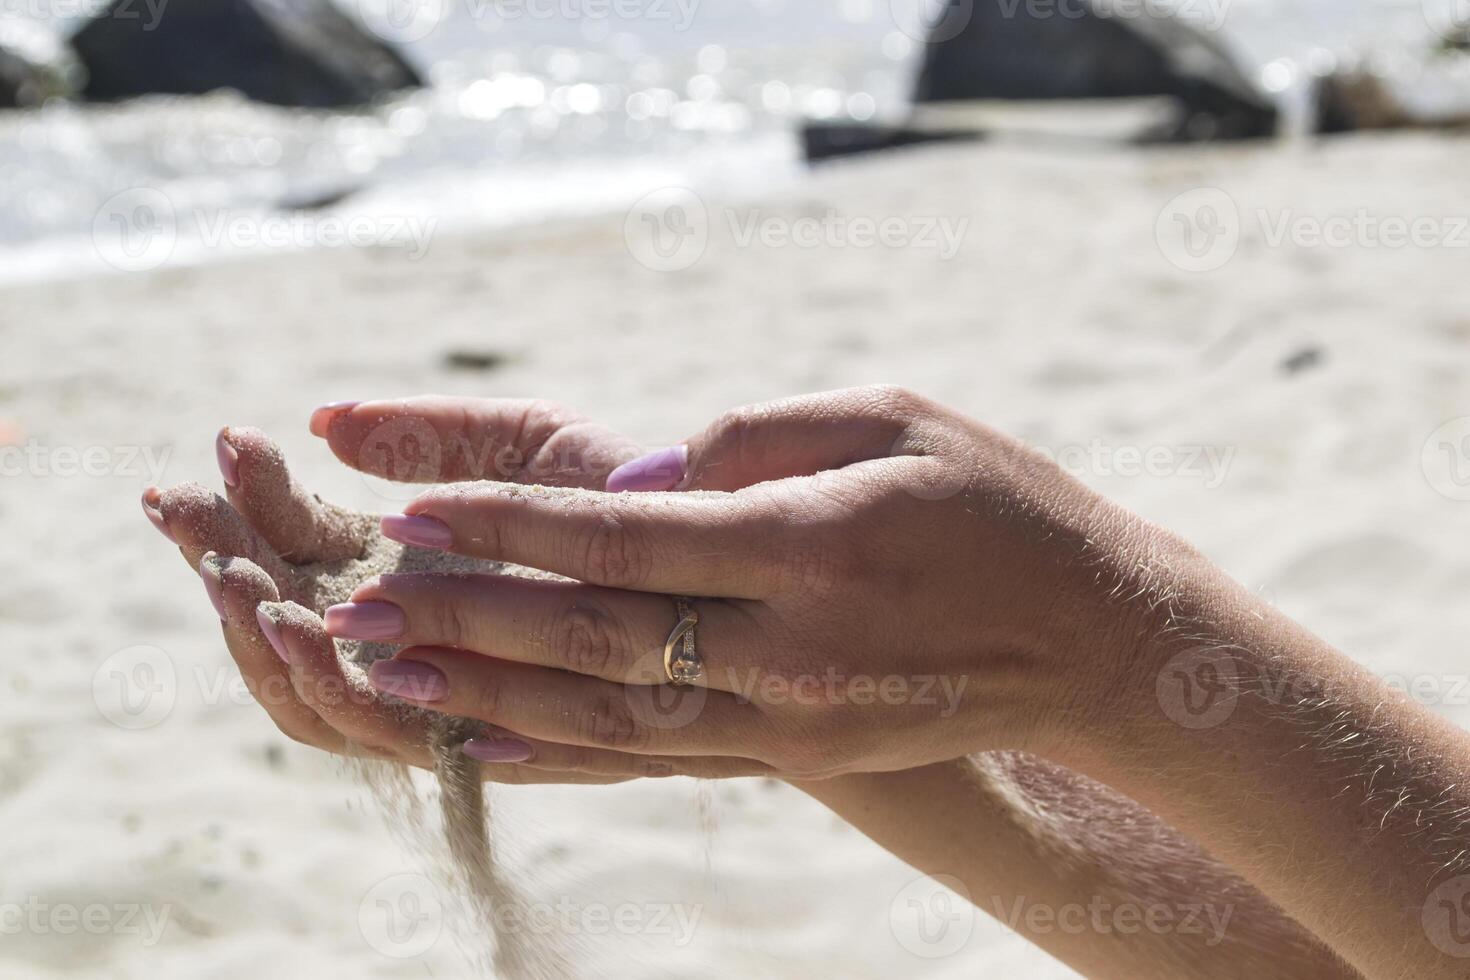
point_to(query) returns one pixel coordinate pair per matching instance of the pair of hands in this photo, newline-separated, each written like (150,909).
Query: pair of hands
(880,583)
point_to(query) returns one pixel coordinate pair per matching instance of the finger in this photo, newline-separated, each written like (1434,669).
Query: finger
(434,439)
(554,706)
(555,757)
(606,633)
(236,587)
(341,696)
(200,521)
(791,437)
(692,544)
(300,526)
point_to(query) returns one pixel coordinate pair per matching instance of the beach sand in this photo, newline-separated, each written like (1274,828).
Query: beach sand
(1287,401)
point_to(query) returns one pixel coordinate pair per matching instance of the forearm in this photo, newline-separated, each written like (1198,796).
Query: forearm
(1343,801)
(1083,872)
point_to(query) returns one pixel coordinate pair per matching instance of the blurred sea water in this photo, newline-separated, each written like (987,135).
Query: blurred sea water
(538,108)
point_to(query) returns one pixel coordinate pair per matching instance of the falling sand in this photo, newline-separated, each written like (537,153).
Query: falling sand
(489,899)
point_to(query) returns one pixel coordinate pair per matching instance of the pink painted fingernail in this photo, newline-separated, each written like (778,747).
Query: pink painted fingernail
(421,532)
(366,621)
(661,470)
(228,458)
(152,498)
(209,572)
(409,679)
(321,418)
(272,633)
(497,750)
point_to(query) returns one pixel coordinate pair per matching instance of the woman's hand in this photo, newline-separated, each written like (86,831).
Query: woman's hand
(880,584)
(272,540)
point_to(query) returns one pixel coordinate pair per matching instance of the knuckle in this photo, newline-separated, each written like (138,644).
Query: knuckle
(448,619)
(612,555)
(609,724)
(894,401)
(487,702)
(589,640)
(742,432)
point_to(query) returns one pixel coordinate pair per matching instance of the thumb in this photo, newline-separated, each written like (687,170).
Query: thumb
(788,438)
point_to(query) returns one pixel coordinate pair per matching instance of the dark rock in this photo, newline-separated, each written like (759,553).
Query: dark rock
(23,82)
(1075,49)
(464,359)
(286,52)
(1303,360)
(825,141)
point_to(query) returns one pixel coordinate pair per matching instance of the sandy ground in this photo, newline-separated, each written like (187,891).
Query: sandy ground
(1061,318)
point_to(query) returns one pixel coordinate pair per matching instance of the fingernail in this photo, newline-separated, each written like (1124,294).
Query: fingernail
(209,572)
(229,459)
(151,500)
(661,470)
(497,750)
(409,679)
(421,532)
(366,621)
(272,633)
(321,418)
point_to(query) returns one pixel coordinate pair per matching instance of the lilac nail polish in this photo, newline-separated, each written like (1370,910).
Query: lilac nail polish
(421,532)
(661,470)
(209,573)
(410,680)
(366,621)
(272,634)
(497,750)
(151,498)
(321,418)
(228,458)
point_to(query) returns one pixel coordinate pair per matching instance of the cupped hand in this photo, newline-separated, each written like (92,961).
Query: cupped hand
(274,556)
(880,583)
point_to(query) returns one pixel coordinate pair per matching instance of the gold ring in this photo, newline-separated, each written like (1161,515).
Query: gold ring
(682,663)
